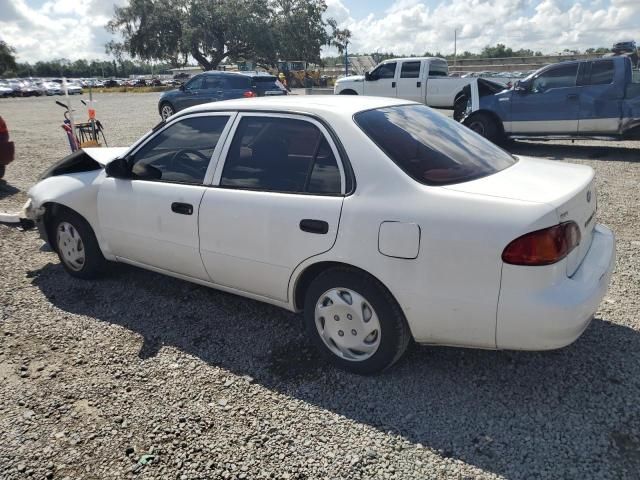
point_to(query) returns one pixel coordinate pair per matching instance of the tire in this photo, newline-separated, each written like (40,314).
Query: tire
(73,238)
(3,169)
(363,340)
(348,92)
(166,110)
(459,107)
(484,125)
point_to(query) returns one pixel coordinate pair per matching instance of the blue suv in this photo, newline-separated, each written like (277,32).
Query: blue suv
(215,86)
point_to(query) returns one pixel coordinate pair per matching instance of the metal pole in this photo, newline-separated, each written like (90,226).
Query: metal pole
(71,121)
(455,46)
(346,59)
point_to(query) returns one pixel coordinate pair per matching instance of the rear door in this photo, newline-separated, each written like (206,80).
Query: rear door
(410,85)
(550,105)
(382,81)
(276,201)
(600,98)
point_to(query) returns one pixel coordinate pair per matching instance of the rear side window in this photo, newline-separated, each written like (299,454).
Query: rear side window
(233,82)
(410,70)
(431,148)
(602,72)
(281,155)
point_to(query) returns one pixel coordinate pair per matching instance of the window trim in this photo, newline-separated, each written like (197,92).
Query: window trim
(231,135)
(215,156)
(395,71)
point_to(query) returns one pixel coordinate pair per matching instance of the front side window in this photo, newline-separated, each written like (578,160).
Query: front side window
(387,70)
(196,83)
(602,72)
(431,148)
(557,77)
(281,155)
(410,70)
(181,152)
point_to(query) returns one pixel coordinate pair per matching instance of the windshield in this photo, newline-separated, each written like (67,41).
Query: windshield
(431,148)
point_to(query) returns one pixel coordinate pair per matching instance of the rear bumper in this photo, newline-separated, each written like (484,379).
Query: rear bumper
(535,313)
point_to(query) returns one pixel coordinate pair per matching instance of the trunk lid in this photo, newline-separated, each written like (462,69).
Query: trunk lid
(568,188)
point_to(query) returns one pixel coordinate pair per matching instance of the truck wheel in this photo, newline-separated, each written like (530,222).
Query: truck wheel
(2,170)
(348,92)
(459,106)
(484,125)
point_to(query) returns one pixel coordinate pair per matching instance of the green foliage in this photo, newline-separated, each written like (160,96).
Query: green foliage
(7,58)
(83,68)
(211,31)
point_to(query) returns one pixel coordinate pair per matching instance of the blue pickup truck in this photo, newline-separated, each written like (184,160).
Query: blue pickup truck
(594,99)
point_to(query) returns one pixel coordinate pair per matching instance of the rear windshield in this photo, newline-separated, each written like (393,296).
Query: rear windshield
(431,148)
(264,79)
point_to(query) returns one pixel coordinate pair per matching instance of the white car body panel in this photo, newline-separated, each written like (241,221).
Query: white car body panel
(450,282)
(434,91)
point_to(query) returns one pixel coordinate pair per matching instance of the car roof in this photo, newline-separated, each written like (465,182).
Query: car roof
(307,104)
(244,74)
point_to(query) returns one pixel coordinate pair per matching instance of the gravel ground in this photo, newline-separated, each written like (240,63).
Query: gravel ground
(144,376)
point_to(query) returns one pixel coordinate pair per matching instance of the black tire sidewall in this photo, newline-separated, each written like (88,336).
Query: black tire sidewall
(94,260)
(490,127)
(393,327)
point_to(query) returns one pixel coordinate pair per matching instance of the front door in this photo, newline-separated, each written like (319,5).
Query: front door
(197,91)
(382,81)
(410,85)
(275,202)
(152,218)
(550,105)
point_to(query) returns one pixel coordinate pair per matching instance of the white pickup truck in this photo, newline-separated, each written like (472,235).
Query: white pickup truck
(421,79)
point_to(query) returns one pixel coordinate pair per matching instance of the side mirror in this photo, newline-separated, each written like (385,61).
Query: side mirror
(522,86)
(118,168)
(181,87)
(368,77)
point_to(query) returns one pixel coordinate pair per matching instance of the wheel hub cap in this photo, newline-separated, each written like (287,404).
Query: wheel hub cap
(70,246)
(348,325)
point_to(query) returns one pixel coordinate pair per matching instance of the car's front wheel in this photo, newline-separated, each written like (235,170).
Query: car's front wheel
(166,110)
(355,321)
(76,245)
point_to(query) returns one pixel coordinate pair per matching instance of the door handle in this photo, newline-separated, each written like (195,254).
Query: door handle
(393,84)
(418,84)
(572,96)
(182,208)
(314,226)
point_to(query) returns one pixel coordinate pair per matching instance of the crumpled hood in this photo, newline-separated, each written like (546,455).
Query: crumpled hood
(105,155)
(351,78)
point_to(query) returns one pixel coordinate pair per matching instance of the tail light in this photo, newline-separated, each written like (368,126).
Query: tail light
(249,94)
(543,247)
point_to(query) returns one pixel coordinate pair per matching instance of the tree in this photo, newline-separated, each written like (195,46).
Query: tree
(7,57)
(340,37)
(212,30)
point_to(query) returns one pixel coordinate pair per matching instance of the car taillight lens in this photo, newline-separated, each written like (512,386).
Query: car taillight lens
(249,94)
(543,247)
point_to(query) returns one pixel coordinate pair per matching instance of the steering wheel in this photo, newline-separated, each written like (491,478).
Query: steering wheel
(188,165)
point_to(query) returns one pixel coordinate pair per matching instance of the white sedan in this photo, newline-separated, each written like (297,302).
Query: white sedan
(382,220)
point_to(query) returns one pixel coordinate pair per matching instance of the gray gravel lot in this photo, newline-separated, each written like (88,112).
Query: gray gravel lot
(141,375)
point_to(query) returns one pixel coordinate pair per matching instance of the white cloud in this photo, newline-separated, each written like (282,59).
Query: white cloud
(75,29)
(57,29)
(411,26)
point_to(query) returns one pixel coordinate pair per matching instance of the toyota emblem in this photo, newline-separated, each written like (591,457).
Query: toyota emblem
(588,196)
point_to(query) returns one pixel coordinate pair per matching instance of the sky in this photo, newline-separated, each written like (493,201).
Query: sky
(49,29)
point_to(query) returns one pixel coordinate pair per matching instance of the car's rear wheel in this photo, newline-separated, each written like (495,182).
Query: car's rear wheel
(348,92)
(166,110)
(354,321)
(3,169)
(76,245)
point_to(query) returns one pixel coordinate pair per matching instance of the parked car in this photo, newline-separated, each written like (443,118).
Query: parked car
(215,86)
(111,83)
(73,88)
(138,82)
(423,80)
(381,219)
(51,88)
(7,149)
(568,99)
(6,90)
